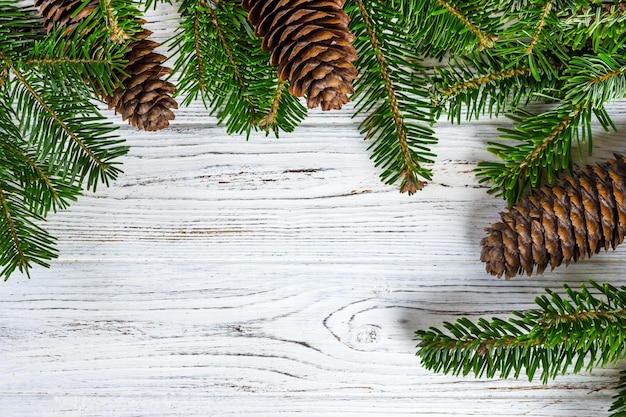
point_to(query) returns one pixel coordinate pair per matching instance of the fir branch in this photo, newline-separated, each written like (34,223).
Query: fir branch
(269,122)
(584,330)
(594,80)
(221,61)
(442,26)
(98,166)
(53,140)
(409,172)
(599,26)
(544,144)
(122,20)
(233,63)
(534,39)
(198,11)
(480,84)
(16,244)
(42,192)
(22,242)
(391,91)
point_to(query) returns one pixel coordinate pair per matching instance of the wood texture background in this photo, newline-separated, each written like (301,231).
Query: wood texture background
(273,277)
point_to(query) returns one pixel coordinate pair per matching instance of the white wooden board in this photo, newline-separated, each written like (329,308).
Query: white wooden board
(273,277)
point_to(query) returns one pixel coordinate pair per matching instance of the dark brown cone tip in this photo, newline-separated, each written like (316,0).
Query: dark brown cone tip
(561,223)
(143,98)
(311,44)
(67,13)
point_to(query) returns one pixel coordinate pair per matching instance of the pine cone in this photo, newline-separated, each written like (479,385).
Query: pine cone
(145,100)
(570,220)
(310,42)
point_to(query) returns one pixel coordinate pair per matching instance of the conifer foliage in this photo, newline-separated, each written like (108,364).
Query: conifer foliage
(584,329)
(53,140)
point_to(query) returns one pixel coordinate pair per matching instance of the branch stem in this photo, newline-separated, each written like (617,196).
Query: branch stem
(486,41)
(542,22)
(101,165)
(408,164)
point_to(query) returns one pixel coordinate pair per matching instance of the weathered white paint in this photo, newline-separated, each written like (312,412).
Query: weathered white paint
(220,277)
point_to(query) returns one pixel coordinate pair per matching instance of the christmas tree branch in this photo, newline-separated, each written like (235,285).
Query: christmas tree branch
(201,9)
(125,28)
(618,408)
(595,26)
(479,81)
(408,165)
(391,91)
(53,140)
(47,197)
(544,143)
(20,259)
(27,192)
(595,80)
(479,84)
(583,330)
(233,63)
(81,147)
(442,26)
(221,61)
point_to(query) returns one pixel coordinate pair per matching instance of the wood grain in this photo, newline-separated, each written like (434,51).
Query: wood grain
(225,277)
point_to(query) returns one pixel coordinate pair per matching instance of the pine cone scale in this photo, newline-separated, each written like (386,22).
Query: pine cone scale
(564,223)
(616,173)
(592,210)
(577,219)
(524,240)
(608,208)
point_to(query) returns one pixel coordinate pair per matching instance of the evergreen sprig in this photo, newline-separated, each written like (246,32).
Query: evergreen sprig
(577,332)
(54,141)
(453,26)
(220,60)
(544,53)
(390,91)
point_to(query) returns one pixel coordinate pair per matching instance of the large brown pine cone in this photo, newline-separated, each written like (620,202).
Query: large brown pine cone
(144,98)
(568,221)
(310,42)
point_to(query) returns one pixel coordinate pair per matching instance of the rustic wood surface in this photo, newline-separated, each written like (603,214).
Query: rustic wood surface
(225,277)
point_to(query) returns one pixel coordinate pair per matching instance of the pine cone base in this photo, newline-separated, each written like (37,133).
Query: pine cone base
(566,222)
